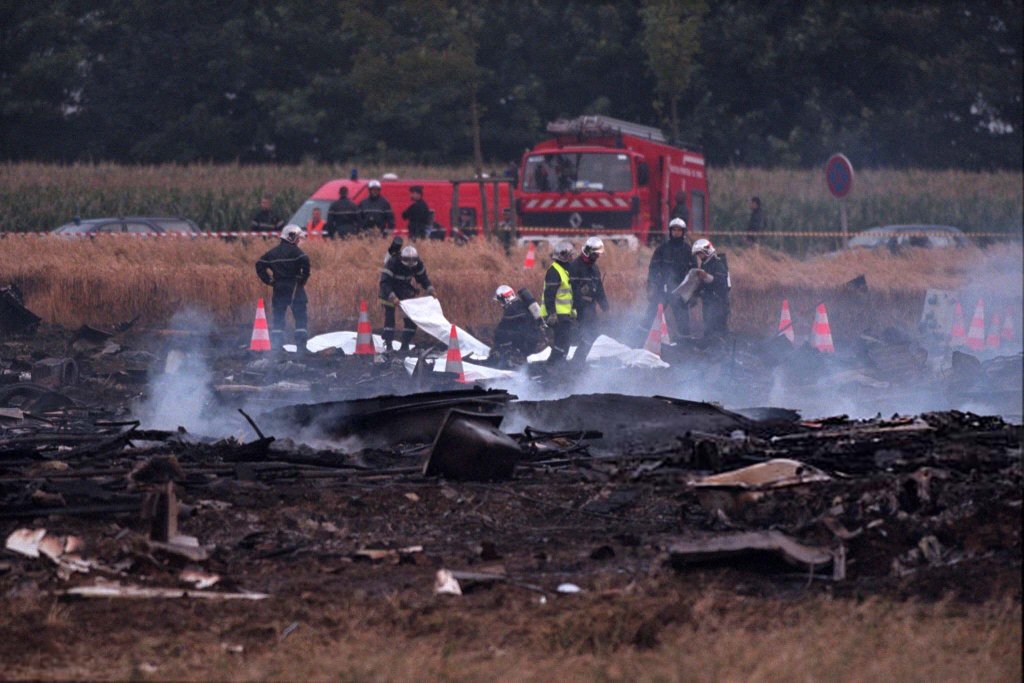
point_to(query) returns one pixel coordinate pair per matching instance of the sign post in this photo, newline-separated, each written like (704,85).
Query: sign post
(839,178)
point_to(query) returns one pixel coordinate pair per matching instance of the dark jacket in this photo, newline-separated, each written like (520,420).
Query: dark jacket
(756,222)
(680,211)
(670,263)
(418,215)
(265,220)
(396,278)
(376,213)
(587,285)
(517,332)
(288,264)
(716,292)
(342,218)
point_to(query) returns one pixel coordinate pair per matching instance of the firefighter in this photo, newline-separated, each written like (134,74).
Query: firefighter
(519,330)
(395,285)
(670,263)
(286,269)
(679,209)
(557,308)
(714,288)
(395,248)
(315,225)
(587,295)
(342,216)
(265,220)
(418,214)
(375,211)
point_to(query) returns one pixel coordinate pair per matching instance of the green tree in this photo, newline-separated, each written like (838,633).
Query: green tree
(671,41)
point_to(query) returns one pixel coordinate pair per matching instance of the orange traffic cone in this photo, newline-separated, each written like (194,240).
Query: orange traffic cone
(453,362)
(364,333)
(663,324)
(786,323)
(996,326)
(1007,333)
(260,334)
(976,333)
(653,343)
(821,336)
(531,257)
(958,335)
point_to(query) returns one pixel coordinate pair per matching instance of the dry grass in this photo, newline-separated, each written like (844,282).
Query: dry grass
(110,280)
(699,635)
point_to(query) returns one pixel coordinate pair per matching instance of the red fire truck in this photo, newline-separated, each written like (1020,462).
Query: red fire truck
(602,176)
(442,196)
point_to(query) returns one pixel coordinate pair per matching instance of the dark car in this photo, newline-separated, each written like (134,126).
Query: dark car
(895,236)
(149,225)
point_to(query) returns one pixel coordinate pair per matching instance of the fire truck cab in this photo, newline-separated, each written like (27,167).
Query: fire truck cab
(602,176)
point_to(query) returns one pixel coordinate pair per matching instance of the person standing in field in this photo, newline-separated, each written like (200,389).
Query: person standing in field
(342,216)
(714,288)
(316,224)
(679,209)
(265,219)
(418,214)
(375,211)
(557,303)
(396,284)
(756,223)
(286,269)
(670,263)
(587,295)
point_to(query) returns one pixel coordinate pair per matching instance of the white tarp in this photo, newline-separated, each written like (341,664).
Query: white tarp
(688,287)
(606,348)
(344,340)
(473,372)
(426,312)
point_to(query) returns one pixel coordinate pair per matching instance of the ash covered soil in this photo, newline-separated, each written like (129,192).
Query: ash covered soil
(324,513)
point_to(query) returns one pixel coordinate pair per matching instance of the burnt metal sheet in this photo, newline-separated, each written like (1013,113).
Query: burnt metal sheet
(729,547)
(14,317)
(469,446)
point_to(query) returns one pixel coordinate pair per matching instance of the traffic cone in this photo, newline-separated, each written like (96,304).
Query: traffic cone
(663,324)
(260,334)
(958,336)
(653,343)
(976,333)
(821,336)
(994,330)
(453,362)
(786,323)
(531,257)
(1007,333)
(364,333)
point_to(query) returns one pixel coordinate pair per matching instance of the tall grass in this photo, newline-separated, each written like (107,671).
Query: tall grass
(223,197)
(114,279)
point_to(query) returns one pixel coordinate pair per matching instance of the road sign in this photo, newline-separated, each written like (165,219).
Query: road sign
(839,175)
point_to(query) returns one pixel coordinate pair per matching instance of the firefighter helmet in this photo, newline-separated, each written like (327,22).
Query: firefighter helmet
(564,252)
(373,184)
(504,295)
(677,223)
(703,248)
(292,233)
(410,257)
(593,247)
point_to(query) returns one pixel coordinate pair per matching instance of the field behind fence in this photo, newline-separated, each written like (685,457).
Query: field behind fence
(222,197)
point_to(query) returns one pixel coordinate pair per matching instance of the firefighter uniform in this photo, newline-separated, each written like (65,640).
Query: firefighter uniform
(376,213)
(670,263)
(419,216)
(715,296)
(342,218)
(396,279)
(587,295)
(286,267)
(265,220)
(516,336)
(558,301)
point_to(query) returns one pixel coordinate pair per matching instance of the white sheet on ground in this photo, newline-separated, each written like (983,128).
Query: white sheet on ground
(607,348)
(473,372)
(426,312)
(344,340)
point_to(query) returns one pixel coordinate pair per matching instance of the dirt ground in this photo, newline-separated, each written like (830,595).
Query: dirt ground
(571,569)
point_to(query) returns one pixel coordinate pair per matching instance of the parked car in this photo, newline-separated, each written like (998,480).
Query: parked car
(897,236)
(153,225)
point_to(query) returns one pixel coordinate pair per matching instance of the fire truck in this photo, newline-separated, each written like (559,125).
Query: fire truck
(602,176)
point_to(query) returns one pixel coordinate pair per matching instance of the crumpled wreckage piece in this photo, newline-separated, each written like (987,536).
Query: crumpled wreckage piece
(470,447)
(735,546)
(773,474)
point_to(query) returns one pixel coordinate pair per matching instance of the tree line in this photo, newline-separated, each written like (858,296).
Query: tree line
(933,84)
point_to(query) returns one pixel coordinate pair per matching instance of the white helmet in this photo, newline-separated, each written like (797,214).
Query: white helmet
(373,184)
(703,248)
(292,233)
(505,295)
(593,247)
(409,256)
(564,252)
(677,223)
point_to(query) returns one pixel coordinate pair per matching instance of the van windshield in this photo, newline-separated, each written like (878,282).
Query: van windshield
(561,172)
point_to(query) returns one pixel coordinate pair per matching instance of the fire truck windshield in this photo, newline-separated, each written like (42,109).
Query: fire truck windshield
(566,172)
